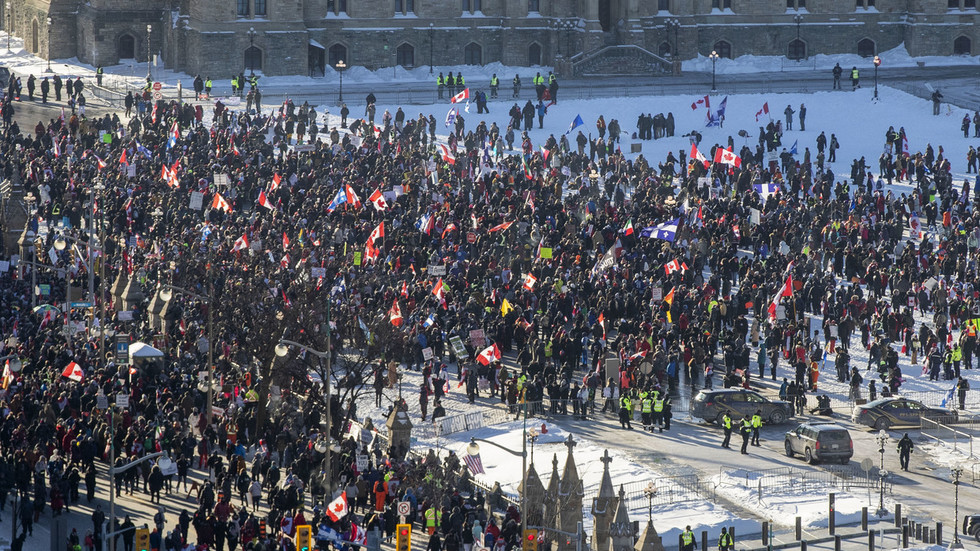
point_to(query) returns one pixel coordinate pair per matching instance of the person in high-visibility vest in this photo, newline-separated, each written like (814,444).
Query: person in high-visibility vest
(646,409)
(440,84)
(756,425)
(746,430)
(726,424)
(625,407)
(688,543)
(433,520)
(725,542)
(494,84)
(658,413)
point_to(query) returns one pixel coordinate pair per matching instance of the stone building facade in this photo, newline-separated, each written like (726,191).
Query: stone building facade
(222,37)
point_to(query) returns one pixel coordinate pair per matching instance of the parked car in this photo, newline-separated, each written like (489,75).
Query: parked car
(897,411)
(4,77)
(971,526)
(819,442)
(711,405)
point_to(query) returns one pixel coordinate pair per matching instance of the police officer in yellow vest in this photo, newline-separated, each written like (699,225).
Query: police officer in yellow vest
(646,409)
(688,542)
(756,425)
(726,424)
(440,84)
(658,413)
(746,429)
(207,87)
(625,411)
(725,542)
(494,84)
(433,520)
(98,75)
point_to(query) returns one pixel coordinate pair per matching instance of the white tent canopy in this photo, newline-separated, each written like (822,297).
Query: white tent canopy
(143,350)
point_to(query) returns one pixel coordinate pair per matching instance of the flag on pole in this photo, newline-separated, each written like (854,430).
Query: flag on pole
(276,181)
(378,200)
(765,190)
(714,119)
(501,227)
(339,199)
(74,372)
(446,154)
(219,202)
(763,111)
(264,201)
(451,116)
(426,223)
(505,307)
(695,154)
(675,266)
(489,354)
(575,123)
(337,509)
(666,231)
(474,464)
(725,156)
(529,281)
(703,101)
(793,150)
(395,314)
(241,243)
(465,94)
(628,228)
(352,198)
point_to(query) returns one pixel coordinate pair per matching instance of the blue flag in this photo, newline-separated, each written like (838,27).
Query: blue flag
(716,118)
(666,231)
(338,200)
(792,150)
(575,123)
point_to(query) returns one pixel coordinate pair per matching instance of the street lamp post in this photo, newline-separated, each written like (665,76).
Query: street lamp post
(251,46)
(431,45)
(650,491)
(882,473)
(341,65)
(8,29)
(281,350)
(714,59)
(474,449)
(166,293)
(48,70)
(877,62)
(799,20)
(149,29)
(673,24)
(956,471)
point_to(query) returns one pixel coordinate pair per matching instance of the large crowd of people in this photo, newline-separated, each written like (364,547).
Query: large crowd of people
(382,243)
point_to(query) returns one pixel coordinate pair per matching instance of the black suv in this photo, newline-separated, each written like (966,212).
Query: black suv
(711,405)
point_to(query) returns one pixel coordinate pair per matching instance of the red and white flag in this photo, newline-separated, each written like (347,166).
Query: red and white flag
(446,154)
(241,243)
(703,101)
(675,266)
(338,508)
(763,111)
(695,154)
(439,290)
(74,372)
(501,227)
(489,354)
(276,181)
(395,314)
(465,94)
(529,281)
(219,202)
(285,240)
(352,198)
(264,201)
(372,252)
(378,200)
(725,156)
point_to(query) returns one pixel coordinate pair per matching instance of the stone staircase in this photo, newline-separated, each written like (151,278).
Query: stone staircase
(622,59)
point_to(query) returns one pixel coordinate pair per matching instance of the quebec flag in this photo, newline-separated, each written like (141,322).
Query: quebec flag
(338,200)
(666,231)
(715,118)
(765,190)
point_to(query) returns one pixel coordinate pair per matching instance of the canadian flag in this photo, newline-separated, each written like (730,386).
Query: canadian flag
(465,94)
(672,266)
(395,314)
(725,156)
(501,227)
(378,200)
(787,290)
(446,154)
(371,251)
(489,354)
(703,101)
(440,293)
(219,202)
(264,201)
(695,154)
(276,180)
(404,292)
(241,243)
(352,198)
(529,281)
(763,111)
(285,240)
(338,508)
(74,372)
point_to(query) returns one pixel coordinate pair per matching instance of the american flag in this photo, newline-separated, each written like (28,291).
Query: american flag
(474,463)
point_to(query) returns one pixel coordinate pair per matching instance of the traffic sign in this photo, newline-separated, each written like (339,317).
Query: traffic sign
(404,508)
(157,85)
(157,95)
(470,237)
(122,349)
